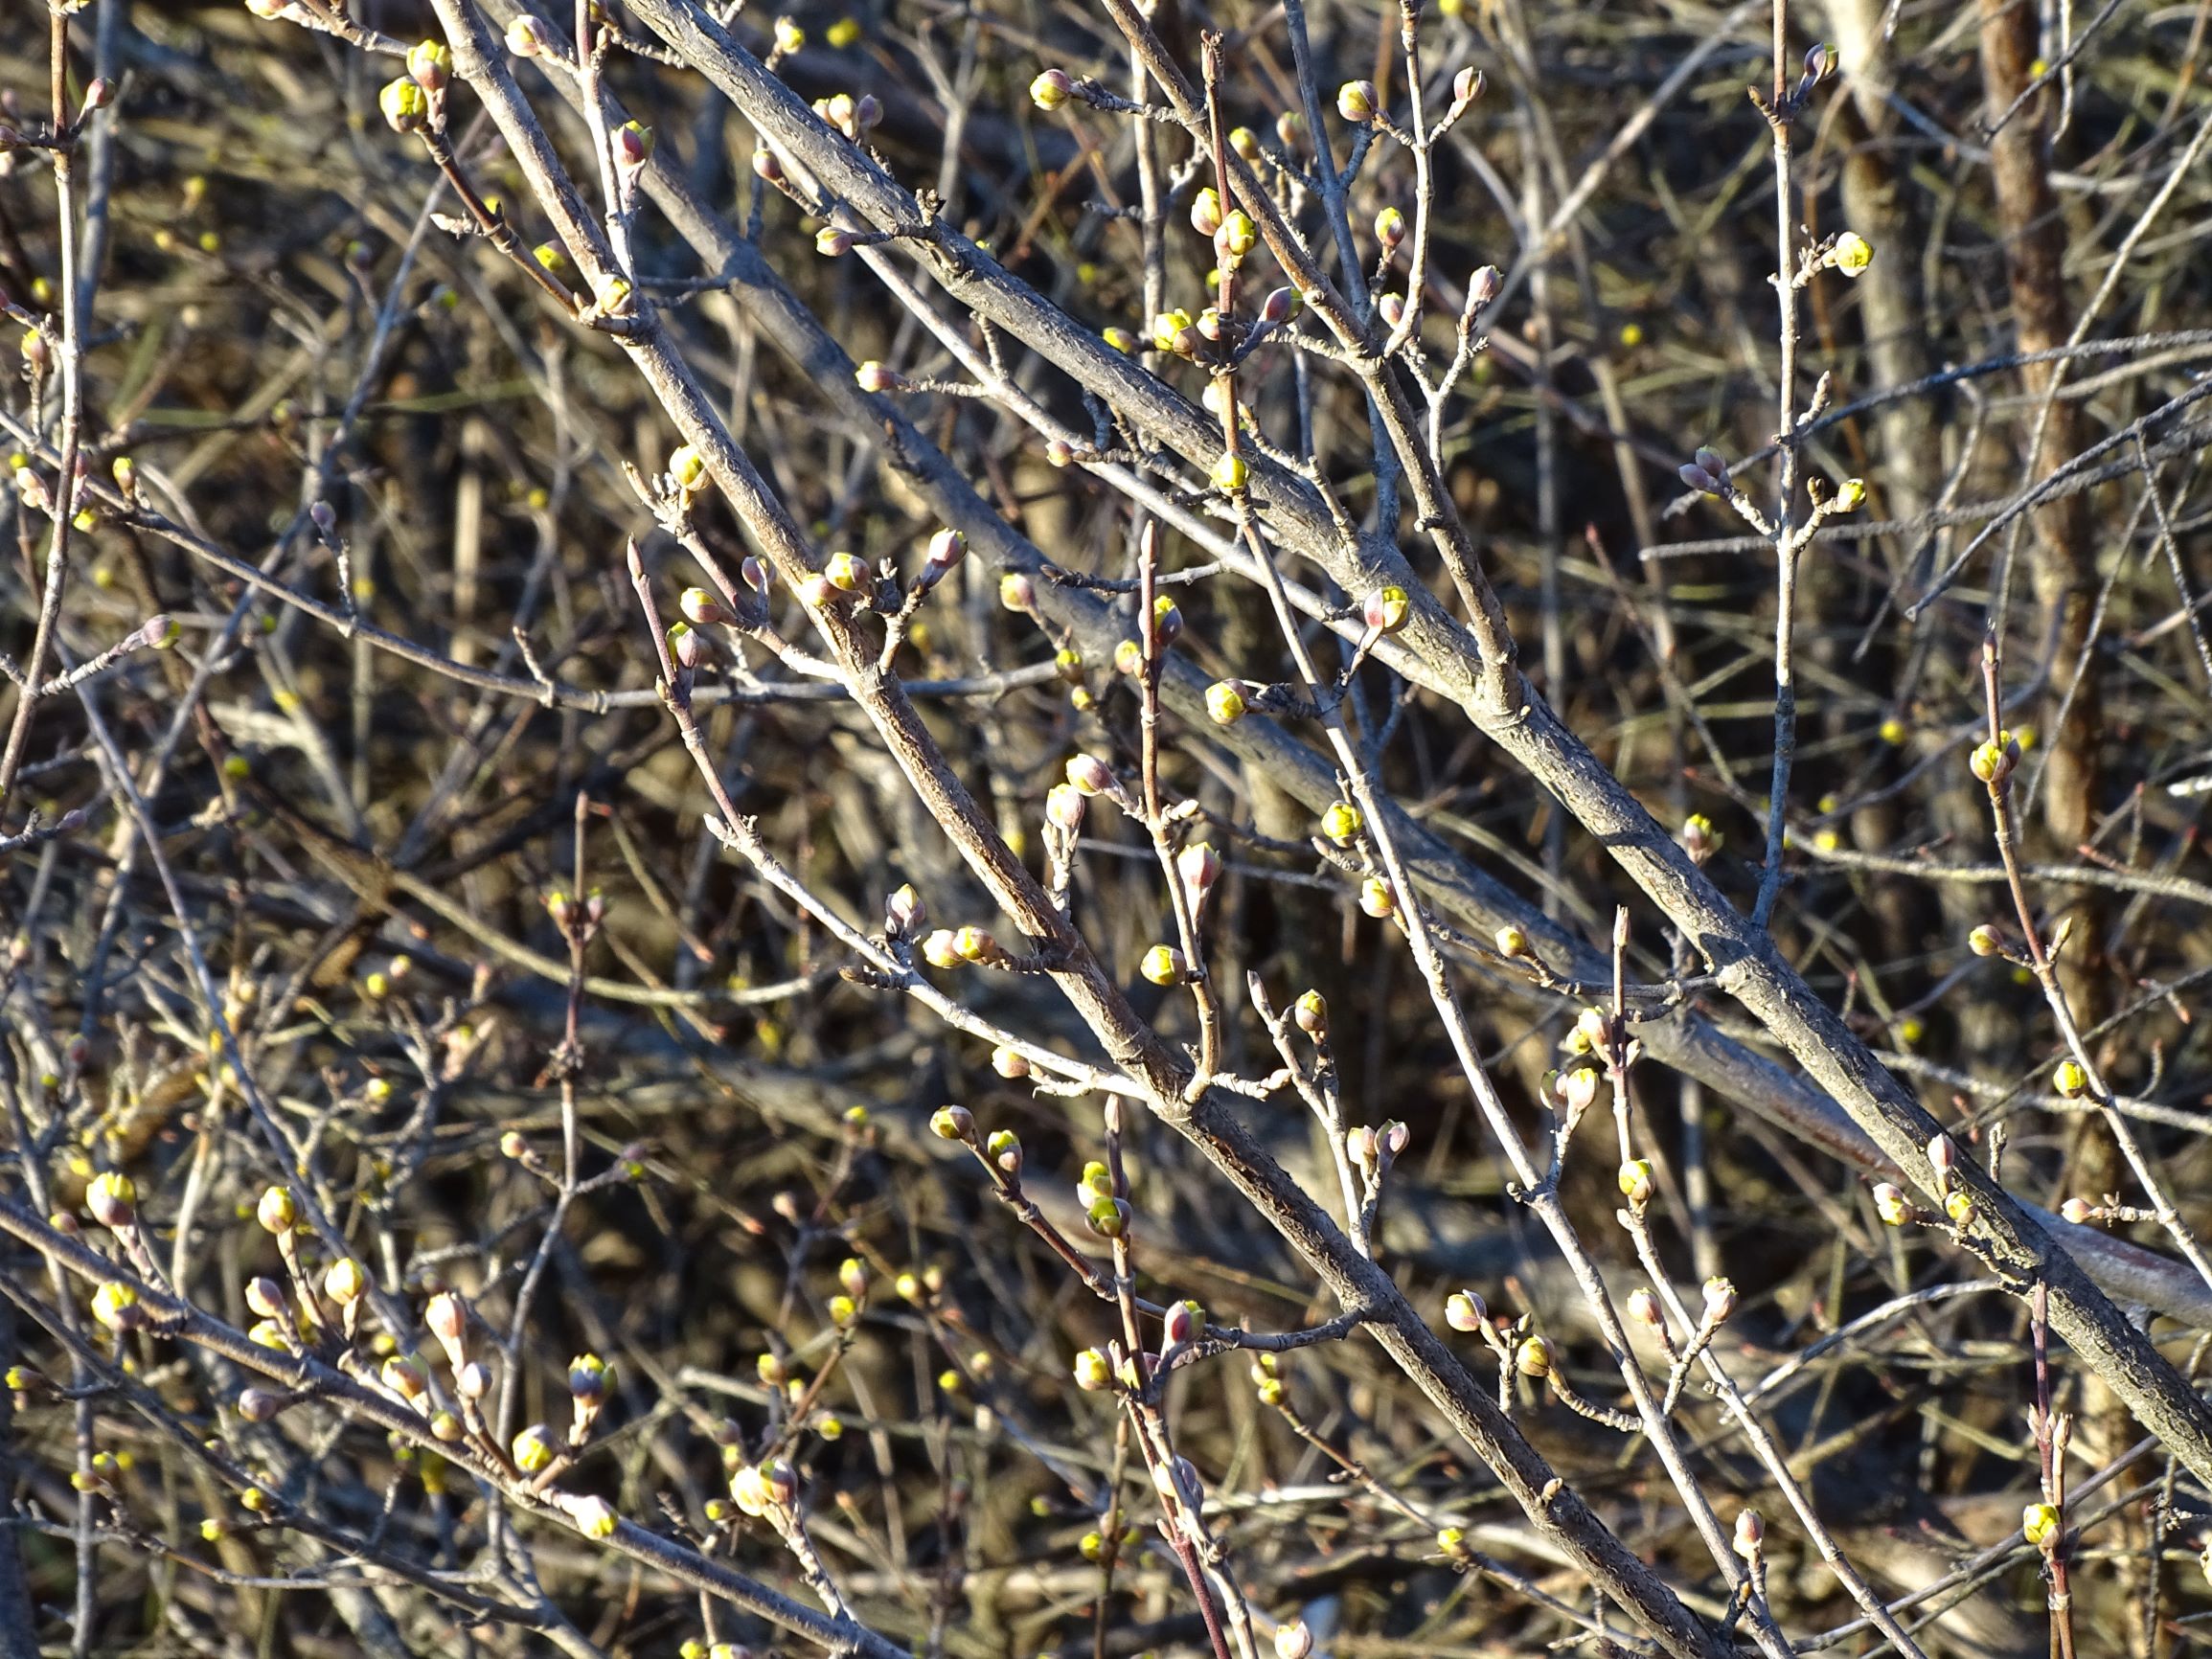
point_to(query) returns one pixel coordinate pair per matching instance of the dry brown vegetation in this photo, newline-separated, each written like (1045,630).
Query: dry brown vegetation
(1119,972)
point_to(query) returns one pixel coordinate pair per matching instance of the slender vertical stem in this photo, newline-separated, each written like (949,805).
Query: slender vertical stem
(1547,496)
(1779,116)
(72,367)
(2050,1442)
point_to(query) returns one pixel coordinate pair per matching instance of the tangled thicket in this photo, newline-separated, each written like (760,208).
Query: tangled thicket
(778,872)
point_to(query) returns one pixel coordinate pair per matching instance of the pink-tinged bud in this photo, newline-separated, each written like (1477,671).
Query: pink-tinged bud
(260,1404)
(1092,1371)
(1089,774)
(783,1483)
(1059,452)
(1396,1138)
(873,377)
(947,549)
(952,1123)
(815,592)
(1390,228)
(754,573)
(1750,1533)
(1484,287)
(277,1212)
(1577,1090)
(111,1199)
(2078,1211)
(1051,90)
(1719,1300)
(1063,808)
(1356,101)
(431,66)
(833,242)
(1206,211)
(1391,308)
(99,95)
(1294,1641)
(1312,1014)
(266,1298)
(525,39)
(1017,593)
(867,113)
(1012,1064)
(1466,87)
(1181,1324)
(848,572)
(1362,1146)
(1465,1310)
(701,609)
(1276,308)
(473,1380)
(905,913)
(1943,1158)
(1714,462)
(403,1374)
(1695,477)
(1889,1203)
(767,167)
(1200,867)
(632,145)
(1387,609)
(447,1318)
(1644,1308)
